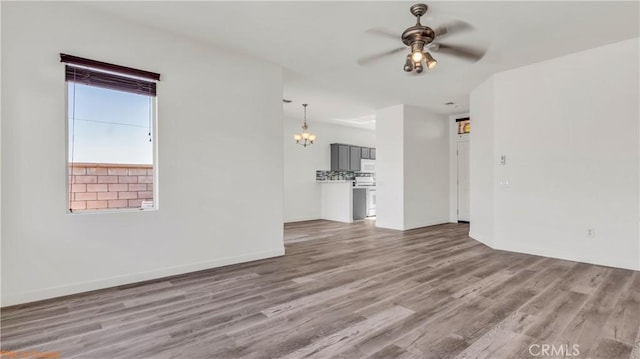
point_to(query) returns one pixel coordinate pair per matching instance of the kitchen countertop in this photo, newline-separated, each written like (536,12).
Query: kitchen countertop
(335,181)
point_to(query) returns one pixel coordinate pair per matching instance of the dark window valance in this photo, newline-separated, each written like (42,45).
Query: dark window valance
(94,73)
(104,66)
(111,81)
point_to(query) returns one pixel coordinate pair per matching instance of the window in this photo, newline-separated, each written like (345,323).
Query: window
(111,136)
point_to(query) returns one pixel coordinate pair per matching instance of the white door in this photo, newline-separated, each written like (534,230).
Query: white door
(463,181)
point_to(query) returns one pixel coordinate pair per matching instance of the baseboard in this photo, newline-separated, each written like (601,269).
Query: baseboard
(486,242)
(542,253)
(386,226)
(426,224)
(303,219)
(53,292)
(341,220)
(482,239)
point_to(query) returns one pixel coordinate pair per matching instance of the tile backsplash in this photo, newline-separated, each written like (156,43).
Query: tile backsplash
(328,175)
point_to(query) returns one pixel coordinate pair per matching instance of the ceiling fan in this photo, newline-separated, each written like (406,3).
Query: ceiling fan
(421,39)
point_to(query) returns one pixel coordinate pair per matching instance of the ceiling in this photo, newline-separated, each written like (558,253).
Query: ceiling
(318,43)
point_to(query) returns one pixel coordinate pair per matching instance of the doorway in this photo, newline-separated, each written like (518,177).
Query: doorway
(463,181)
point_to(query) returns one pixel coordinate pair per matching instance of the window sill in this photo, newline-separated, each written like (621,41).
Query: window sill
(111,211)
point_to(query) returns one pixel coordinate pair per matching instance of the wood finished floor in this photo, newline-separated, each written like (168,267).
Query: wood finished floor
(352,291)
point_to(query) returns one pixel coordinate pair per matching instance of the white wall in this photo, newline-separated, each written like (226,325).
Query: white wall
(390,167)
(426,168)
(481,160)
(412,168)
(570,130)
(301,192)
(220,123)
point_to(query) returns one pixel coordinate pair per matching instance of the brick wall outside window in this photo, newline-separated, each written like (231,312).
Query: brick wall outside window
(96,186)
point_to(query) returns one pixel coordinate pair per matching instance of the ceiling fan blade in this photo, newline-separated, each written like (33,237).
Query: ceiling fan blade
(452,27)
(384,33)
(464,52)
(369,59)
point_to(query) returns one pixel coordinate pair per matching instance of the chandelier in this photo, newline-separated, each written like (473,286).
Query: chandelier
(305,138)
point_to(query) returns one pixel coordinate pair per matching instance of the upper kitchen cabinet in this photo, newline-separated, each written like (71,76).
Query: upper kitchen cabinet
(348,157)
(354,161)
(340,157)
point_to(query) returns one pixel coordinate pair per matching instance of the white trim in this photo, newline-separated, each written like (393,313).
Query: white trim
(301,219)
(542,253)
(481,239)
(454,138)
(52,292)
(426,224)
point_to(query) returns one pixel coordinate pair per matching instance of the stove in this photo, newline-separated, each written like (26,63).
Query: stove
(370,184)
(365,182)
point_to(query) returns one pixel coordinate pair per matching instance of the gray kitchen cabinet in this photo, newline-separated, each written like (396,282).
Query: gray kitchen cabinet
(348,157)
(359,203)
(340,157)
(354,161)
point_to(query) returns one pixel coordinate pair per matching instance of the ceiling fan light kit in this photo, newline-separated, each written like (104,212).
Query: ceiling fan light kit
(421,39)
(430,61)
